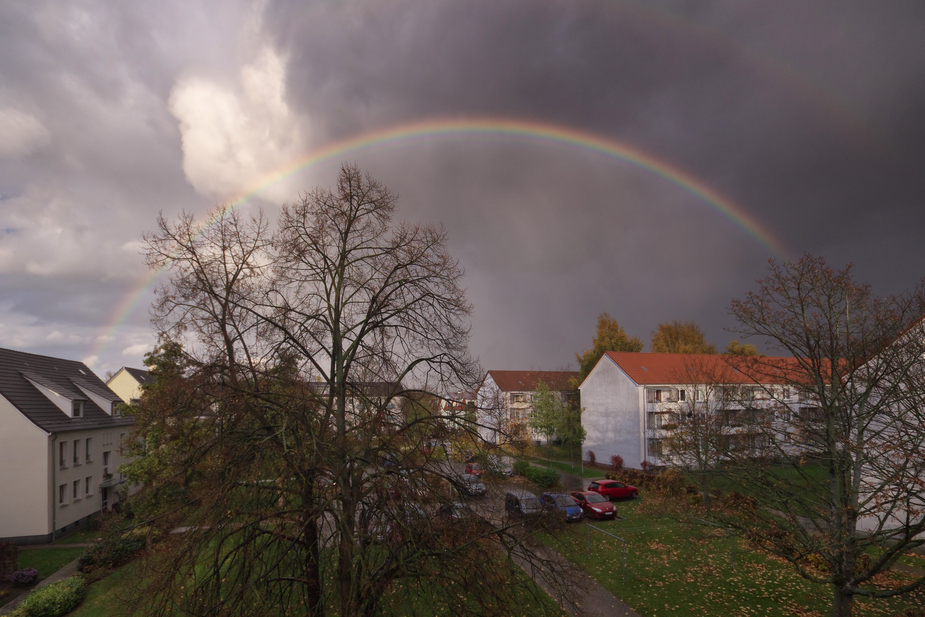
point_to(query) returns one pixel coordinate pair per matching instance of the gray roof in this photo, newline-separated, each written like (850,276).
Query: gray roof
(64,377)
(142,376)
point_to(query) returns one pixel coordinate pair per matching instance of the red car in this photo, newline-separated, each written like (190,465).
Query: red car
(475,469)
(594,504)
(611,489)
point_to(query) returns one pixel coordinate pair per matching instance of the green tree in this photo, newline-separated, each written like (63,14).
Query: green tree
(556,418)
(610,337)
(852,404)
(311,351)
(735,348)
(680,337)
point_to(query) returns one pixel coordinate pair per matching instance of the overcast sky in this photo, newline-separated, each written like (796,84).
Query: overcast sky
(801,124)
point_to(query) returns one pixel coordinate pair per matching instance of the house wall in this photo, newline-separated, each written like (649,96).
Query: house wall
(125,386)
(88,474)
(25,475)
(612,416)
(488,396)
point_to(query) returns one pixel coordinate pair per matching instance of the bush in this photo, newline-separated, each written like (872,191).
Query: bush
(616,461)
(592,458)
(542,476)
(112,552)
(521,467)
(670,481)
(25,577)
(56,599)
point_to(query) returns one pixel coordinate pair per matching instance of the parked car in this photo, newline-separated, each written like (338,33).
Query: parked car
(501,465)
(594,504)
(453,512)
(474,468)
(471,485)
(562,504)
(611,489)
(522,503)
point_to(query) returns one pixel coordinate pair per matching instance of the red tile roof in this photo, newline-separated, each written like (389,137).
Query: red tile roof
(526,381)
(671,368)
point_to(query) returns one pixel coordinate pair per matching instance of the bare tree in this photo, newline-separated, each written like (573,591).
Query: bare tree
(847,425)
(297,362)
(699,436)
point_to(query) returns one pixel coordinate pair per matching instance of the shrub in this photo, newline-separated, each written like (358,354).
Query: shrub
(521,467)
(592,458)
(542,476)
(112,552)
(616,461)
(670,481)
(25,577)
(56,599)
(644,465)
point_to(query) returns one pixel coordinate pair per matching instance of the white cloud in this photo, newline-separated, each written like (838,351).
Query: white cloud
(235,138)
(22,133)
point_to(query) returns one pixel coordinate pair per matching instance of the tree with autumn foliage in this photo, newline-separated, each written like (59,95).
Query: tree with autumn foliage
(735,348)
(849,428)
(680,337)
(610,337)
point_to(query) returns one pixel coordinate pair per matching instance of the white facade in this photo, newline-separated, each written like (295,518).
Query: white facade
(613,414)
(505,398)
(59,446)
(632,402)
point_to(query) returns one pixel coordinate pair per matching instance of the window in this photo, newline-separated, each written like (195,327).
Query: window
(105,464)
(62,495)
(76,495)
(62,455)
(88,455)
(77,409)
(88,486)
(116,408)
(682,395)
(76,452)
(518,398)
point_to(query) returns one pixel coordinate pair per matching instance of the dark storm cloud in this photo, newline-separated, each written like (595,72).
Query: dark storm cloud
(809,116)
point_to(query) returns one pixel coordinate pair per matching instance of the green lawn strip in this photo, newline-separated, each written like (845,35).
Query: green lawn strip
(675,569)
(104,597)
(413,598)
(47,560)
(569,468)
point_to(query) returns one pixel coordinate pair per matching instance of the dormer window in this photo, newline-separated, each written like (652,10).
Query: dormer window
(77,409)
(116,409)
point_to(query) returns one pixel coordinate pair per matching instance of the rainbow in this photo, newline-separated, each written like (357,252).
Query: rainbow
(532,131)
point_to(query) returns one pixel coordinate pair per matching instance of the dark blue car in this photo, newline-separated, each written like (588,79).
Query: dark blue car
(560,502)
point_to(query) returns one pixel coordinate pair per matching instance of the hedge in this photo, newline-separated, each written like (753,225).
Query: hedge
(54,600)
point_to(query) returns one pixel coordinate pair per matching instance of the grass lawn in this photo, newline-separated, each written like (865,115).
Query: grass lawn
(103,596)
(571,468)
(47,560)
(673,569)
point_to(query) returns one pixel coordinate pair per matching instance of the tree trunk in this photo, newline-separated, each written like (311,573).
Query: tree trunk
(842,602)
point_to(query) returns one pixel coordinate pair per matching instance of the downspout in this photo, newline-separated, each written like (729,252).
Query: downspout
(54,487)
